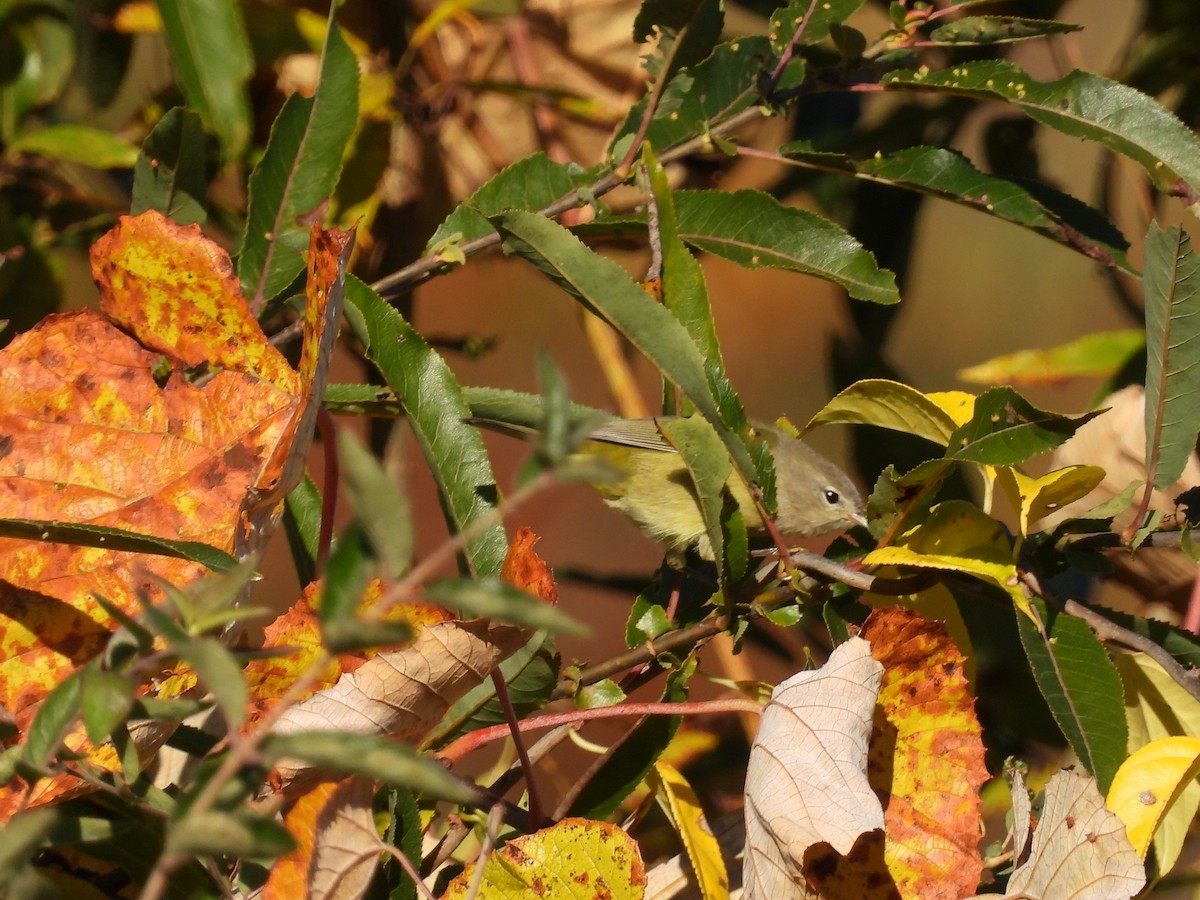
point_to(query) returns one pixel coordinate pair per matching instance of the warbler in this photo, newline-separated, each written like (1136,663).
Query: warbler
(649,483)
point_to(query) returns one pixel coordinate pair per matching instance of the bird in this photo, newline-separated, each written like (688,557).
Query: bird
(643,477)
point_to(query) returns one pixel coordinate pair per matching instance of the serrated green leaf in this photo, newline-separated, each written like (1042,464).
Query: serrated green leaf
(984,30)
(686,295)
(1081,686)
(78,144)
(530,675)
(116,539)
(170,172)
(297,174)
(1172,284)
(688,30)
(523,410)
(1006,430)
(816,19)
(1082,105)
(374,757)
(756,231)
(708,465)
(437,413)
(947,174)
(604,288)
(531,183)
(699,98)
(211,53)
(647,620)
(494,599)
(362,399)
(381,504)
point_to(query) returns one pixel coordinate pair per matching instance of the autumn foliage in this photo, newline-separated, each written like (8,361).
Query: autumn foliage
(958,701)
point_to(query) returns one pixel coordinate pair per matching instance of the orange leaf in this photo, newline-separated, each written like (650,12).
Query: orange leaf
(926,757)
(332,824)
(101,427)
(523,568)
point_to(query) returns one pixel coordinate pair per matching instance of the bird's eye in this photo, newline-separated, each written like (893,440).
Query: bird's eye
(831,496)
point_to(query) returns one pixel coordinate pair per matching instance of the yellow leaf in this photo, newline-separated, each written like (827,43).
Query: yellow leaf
(888,404)
(575,858)
(679,802)
(1157,707)
(958,537)
(1149,783)
(936,604)
(1036,498)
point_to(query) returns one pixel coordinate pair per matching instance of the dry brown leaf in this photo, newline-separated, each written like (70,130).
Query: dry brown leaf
(806,782)
(1079,849)
(337,847)
(403,693)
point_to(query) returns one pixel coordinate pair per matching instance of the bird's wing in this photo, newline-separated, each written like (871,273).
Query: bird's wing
(642,433)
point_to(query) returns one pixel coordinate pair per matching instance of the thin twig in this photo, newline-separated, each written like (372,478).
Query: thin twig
(513,726)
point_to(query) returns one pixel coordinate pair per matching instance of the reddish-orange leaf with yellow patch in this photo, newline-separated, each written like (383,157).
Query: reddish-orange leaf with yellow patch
(101,427)
(926,759)
(523,568)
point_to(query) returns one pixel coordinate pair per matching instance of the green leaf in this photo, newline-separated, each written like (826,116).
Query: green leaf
(1081,105)
(604,288)
(221,673)
(494,599)
(699,98)
(708,465)
(817,18)
(1179,642)
(1006,430)
(362,399)
(239,834)
(116,539)
(106,699)
(302,522)
(688,31)
(603,693)
(554,434)
(1081,686)
(375,757)
(625,765)
(77,144)
(381,504)
(983,30)
(437,412)
(647,620)
(166,710)
(1100,355)
(52,721)
(20,838)
(686,295)
(208,44)
(170,172)
(887,404)
(347,572)
(297,174)
(1172,284)
(530,675)
(531,183)
(523,410)
(947,174)
(756,231)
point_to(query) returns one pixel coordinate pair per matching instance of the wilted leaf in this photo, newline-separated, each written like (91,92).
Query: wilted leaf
(524,569)
(806,782)
(574,858)
(1079,848)
(926,756)
(331,824)
(403,693)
